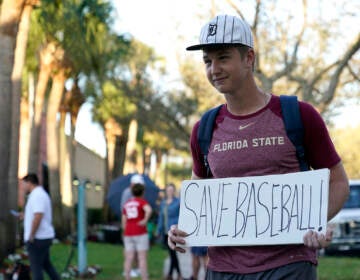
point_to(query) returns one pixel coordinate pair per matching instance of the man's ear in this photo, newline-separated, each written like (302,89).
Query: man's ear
(250,57)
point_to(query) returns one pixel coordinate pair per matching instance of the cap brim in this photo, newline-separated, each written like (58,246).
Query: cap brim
(217,45)
(196,47)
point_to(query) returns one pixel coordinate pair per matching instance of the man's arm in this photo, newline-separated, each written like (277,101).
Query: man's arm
(338,193)
(35,225)
(338,189)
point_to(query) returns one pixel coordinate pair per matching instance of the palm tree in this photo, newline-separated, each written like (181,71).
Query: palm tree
(10,15)
(72,36)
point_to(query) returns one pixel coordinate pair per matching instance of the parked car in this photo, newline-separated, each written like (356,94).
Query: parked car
(346,223)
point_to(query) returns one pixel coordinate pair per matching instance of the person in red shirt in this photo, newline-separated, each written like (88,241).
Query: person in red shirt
(135,215)
(249,116)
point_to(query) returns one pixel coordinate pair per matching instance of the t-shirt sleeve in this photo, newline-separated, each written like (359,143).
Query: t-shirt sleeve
(39,205)
(319,148)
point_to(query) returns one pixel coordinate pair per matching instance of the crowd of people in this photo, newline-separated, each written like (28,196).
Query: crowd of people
(136,212)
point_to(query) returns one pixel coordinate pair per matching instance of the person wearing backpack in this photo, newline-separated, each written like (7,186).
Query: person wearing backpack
(249,138)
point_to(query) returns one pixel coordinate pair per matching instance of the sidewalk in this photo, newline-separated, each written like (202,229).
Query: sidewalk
(185,266)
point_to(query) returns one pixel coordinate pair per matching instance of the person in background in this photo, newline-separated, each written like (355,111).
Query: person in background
(38,229)
(199,259)
(168,216)
(135,215)
(126,195)
(228,53)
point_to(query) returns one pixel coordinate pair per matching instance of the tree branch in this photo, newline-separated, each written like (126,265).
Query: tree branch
(329,94)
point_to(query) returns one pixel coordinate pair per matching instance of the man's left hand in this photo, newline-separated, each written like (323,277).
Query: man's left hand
(317,240)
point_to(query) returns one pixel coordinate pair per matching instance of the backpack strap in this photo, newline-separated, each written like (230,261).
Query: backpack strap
(292,121)
(294,127)
(204,134)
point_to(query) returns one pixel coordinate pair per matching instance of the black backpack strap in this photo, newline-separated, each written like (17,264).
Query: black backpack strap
(204,134)
(294,127)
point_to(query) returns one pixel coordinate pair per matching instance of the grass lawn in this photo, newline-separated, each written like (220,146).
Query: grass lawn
(339,268)
(110,258)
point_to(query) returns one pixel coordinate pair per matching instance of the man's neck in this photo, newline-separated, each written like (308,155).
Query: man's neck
(33,187)
(248,102)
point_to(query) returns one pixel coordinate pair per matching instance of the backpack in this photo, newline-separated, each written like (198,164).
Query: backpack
(292,121)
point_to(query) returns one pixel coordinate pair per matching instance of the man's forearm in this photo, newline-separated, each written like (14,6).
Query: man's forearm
(338,190)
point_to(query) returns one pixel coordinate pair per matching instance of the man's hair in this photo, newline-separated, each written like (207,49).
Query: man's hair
(31,178)
(243,50)
(137,190)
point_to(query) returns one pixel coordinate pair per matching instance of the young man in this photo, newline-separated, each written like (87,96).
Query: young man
(38,229)
(249,114)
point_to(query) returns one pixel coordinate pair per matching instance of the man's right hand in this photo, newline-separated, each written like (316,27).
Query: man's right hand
(176,236)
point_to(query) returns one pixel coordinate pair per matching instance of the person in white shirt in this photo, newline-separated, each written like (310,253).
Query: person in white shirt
(38,229)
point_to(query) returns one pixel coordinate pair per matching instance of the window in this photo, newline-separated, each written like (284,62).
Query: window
(354,197)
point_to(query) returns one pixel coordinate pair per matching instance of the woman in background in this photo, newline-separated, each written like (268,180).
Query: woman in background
(168,216)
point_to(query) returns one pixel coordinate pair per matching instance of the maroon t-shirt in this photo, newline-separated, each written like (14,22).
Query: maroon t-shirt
(254,145)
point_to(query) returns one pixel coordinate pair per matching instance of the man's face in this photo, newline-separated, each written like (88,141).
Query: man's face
(226,70)
(26,186)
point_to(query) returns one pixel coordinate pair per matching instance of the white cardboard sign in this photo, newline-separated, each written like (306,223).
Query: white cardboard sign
(260,210)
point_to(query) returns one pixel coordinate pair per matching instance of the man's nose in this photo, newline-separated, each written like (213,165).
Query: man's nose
(215,67)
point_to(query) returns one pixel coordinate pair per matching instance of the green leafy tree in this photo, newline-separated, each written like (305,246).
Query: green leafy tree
(74,34)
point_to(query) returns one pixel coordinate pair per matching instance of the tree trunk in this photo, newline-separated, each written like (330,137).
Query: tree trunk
(111,129)
(9,19)
(19,61)
(26,116)
(130,165)
(52,145)
(46,60)
(120,154)
(65,174)
(24,146)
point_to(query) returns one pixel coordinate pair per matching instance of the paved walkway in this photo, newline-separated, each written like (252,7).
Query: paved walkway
(185,266)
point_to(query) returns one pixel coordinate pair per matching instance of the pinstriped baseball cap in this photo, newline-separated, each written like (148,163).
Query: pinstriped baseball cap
(224,30)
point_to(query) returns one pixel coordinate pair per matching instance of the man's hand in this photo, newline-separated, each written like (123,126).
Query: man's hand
(317,240)
(176,236)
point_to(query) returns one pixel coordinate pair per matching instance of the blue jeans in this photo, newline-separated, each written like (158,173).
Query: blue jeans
(39,256)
